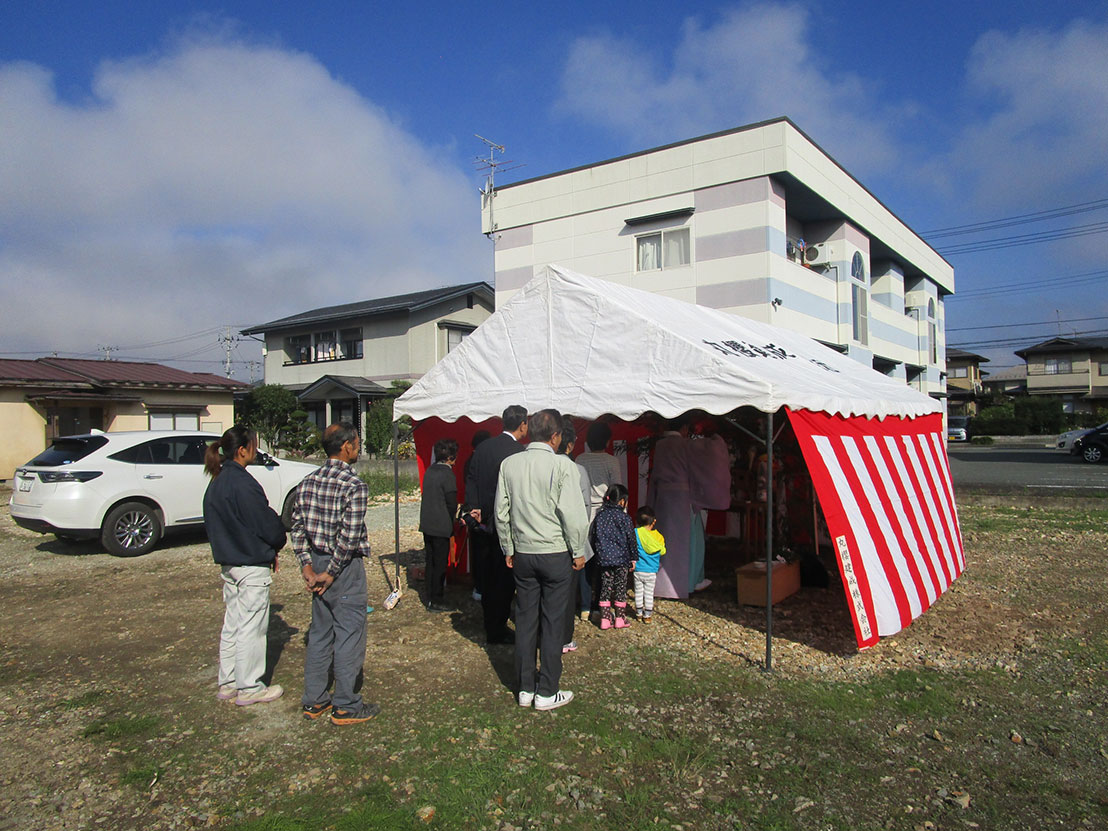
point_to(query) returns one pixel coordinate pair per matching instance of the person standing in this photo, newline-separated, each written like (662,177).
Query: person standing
(652,547)
(601,470)
(437,508)
(245,535)
(329,538)
(612,537)
(498,586)
(540,519)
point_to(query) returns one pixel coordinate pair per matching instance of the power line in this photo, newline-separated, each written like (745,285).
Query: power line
(1015,288)
(1023,341)
(1019,219)
(1018,240)
(1035,323)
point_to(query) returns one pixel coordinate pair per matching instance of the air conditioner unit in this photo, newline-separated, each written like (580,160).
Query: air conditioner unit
(821,253)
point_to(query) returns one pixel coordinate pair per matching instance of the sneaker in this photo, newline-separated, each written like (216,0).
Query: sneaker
(262,696)
(569,647)
(477,595)
(585,615)
(703,584)
(551,702)
(437,606)
(526,699)
(316,710)
(227,692)
(364,713)
(645,619)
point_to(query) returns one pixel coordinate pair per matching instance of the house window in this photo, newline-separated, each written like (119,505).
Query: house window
(930,308)
(1102,367)
(959,372)
(454,338)
(352,342)
(861,314)
(298,348)
(664,249)
(174,421)
(1058,366)
(325,347)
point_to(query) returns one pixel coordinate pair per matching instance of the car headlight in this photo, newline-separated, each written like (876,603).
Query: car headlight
(68,475)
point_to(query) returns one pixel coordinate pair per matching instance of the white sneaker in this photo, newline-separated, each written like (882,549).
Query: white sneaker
(703,584)
(477,595)
(526,699)
(551,702)
(262,696)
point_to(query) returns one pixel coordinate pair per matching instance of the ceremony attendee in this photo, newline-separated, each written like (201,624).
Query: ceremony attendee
(329,538)
(245,535)
(476,555)
(498,587)
(540,519)
(565,449)
(652,547)
(614,545)
(602,470)
(437,509)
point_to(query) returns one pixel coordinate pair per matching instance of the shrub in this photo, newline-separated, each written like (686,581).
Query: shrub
(981,440)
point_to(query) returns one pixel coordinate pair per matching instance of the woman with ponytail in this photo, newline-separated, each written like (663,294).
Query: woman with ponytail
(245,534)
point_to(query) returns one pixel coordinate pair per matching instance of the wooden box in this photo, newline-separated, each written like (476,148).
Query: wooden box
(751,580)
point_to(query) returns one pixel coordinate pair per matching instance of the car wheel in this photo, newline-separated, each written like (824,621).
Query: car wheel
(1092,453)
(131,529)
(286,511)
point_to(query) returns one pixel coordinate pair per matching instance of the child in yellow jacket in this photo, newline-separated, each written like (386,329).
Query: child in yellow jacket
(652,547)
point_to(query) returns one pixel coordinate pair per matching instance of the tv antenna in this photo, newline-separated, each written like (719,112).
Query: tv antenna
(489,165)
(228,341)
(107,350)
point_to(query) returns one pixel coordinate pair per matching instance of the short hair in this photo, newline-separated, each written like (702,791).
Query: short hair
(514,415)
(616,493)
(445,449)
(598,436)
(544,424)
(336,435)
(644,516)
(569,435)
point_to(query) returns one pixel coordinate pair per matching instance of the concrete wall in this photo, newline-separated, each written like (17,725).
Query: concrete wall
(22,429)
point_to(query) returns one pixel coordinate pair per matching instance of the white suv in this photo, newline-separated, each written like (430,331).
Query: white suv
(127,488)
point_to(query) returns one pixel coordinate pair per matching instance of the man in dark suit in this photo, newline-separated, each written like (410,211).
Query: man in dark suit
(484,471)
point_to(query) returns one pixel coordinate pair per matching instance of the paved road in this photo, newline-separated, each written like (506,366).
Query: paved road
(1024,467)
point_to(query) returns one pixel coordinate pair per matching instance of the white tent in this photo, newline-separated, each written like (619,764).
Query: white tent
(590,347)
(873,445)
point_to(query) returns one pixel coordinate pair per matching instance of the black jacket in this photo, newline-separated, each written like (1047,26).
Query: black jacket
(242,529)
(484,473)
(440,501)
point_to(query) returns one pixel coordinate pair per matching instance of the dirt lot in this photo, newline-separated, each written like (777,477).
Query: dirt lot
(96,648)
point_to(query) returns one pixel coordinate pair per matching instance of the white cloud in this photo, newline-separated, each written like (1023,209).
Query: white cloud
(752,64)
(215,182)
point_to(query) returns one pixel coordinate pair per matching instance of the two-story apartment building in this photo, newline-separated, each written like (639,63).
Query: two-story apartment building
(963,381)
(1075,369)
(758,221)
(338,359)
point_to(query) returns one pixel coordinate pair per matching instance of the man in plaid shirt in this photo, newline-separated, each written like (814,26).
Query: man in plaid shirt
(329,538)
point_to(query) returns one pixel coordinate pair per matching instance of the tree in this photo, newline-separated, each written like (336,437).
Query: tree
(268,409)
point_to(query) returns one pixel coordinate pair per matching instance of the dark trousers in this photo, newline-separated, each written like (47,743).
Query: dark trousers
(437,551)
(336,637)
(571,606)
(542,583)
(498,585)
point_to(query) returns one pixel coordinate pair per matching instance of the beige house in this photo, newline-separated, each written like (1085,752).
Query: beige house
(339,359)
(963,381)
(50,397)
(1075,369)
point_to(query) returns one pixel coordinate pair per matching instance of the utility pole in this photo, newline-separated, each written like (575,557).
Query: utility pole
(107,350)
(228,340)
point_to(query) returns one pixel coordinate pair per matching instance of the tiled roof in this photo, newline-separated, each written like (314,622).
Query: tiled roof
(1062,344)
(963,355)
(367,308)
(81,372)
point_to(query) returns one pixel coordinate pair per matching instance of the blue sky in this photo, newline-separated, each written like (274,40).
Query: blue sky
(170,168)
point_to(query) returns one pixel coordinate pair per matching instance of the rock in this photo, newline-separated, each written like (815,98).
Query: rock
(426,813)
(1015,737)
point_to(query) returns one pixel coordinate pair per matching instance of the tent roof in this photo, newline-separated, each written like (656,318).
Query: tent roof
(589,347)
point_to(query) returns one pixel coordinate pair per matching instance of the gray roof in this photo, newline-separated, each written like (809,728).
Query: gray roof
(367,308)
(963,355)
(1061,344)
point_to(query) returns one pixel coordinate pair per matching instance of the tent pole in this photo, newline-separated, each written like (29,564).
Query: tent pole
(769,542)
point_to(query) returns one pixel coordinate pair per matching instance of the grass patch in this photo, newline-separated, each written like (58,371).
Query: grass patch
(383,483)
(123,727)
(1029,520)
(141,777)
(85,699)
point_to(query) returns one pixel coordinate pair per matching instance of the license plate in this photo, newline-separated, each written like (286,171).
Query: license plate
(25,484)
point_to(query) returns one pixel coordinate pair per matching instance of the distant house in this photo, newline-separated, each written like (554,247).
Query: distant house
(339,359)
(1011,381)
(963,381)
(1075,369)
(49,397)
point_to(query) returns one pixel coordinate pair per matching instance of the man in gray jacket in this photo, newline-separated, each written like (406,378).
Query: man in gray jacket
(540,519)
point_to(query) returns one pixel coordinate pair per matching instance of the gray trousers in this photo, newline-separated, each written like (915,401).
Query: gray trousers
(542,583)
(336,637)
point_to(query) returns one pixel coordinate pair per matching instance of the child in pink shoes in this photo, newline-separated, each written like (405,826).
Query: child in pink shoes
(615,545)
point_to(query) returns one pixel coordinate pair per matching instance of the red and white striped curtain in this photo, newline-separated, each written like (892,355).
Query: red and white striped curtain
(886,493)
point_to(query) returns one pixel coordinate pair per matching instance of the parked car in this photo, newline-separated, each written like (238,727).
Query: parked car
(1066,440)
(957,428)
(1093,445)
(126,489)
